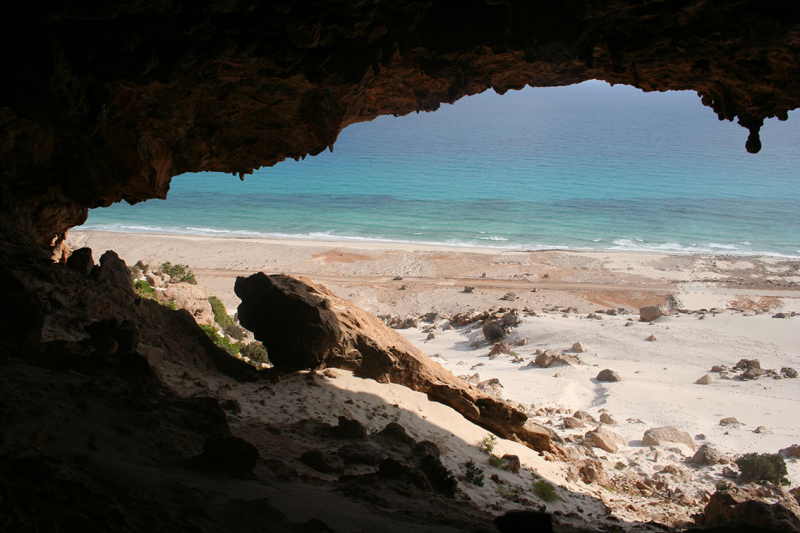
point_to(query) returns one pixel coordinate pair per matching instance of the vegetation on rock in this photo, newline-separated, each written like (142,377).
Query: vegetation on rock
(178,273)
(224,320)
(255,351)
(474,474)
(230,347)
(544,490)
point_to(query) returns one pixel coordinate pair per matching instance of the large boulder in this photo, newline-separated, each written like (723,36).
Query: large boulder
(305,326)
(658,436)
(493,331)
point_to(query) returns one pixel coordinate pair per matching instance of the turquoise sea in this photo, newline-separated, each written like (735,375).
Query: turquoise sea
(582,167)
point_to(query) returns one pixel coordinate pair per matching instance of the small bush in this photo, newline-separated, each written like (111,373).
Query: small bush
(762,468)
(544,490)
(488,443)
(144,289)
(442,480)
(169,305)
(255,351)
(474,474)
(495,460)
(219,340)
(178,273)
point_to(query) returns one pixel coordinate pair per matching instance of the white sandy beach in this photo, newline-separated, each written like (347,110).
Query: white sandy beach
(560,289)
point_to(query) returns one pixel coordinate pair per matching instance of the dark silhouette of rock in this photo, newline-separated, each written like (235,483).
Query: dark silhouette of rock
(734,509)
(493,331)
(231,455)
(113,270)
(304,326)
(81,261)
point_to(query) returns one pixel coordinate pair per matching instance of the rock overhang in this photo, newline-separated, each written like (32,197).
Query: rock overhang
(108,103)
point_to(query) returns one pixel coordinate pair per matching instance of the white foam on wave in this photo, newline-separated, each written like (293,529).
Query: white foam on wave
(493,238)
(693,249)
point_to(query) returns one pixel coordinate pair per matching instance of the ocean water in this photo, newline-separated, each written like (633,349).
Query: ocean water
(588,166)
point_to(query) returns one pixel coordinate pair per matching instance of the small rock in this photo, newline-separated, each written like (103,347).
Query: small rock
(522,342)
(729,473)
(791,451)
(752,374)
(608,376)
(605,418)
(573,423)
(474,378)
(762,429)
(493,331)
(509,296)
(579,347)
(730,421)
(707,456)
(652,338)
(708,379)
(657,436)
(469,290)
(605,439)
(586,417)
(492,387)
(744,364)
(652,312)
(719,368)
(500,348)
(789,372)
(448,327)
(431,336)
(512,463)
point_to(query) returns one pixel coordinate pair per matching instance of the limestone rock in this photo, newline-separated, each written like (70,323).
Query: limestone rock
(744,364)
(706,380)
(762,430)
(113,270)
(608,376)
(500,348)
(661,435)
(430,336)
(649,313)
(579,347)
(605,418)
(707,455)
(586,417)
(556,358)
(473,379)
(652,338)
(512,463)
(789,372)
(591,471)
(752,373)
(303,325)
(605,439)
(194,299)
(492,387)
(791,451)
(730,421)
(571,422)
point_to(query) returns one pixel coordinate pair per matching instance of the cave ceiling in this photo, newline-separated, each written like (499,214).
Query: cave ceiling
(107,101)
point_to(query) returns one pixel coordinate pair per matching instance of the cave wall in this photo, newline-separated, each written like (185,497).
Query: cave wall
(107,101)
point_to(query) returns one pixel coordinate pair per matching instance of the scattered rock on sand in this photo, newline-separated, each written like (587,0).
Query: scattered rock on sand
(586,417)
(431,336)
(579,347)
(522,342)
(608,375)
(511,463)
(649,313)
(788,372)
(730,421)
(605,439)
(752,374)
(652,338)
(658,436)
(762,430)
(791,451)
(743,508)
(605,418)
(469,289)
(708,379)
(555,358)
(492,387)
(500,348)
(573,423)
(591,471)
(708,456)
(474,378)
(509,296)
(744,364)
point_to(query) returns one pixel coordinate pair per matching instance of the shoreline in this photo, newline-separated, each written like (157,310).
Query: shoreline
(360,242)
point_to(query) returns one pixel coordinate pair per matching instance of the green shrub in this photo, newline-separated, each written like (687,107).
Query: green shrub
(135,271)
(255,351)
(144,289)
(474,474)
(235,332)
(495,460)
(488,443)
(442,480)
(544,490)
(762,468)
(224,320)
(219,340)
(178,273)
(169,305)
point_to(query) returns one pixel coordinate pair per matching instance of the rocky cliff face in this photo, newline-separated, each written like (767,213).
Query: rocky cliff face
(107,102)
